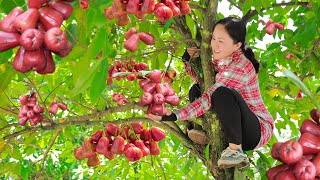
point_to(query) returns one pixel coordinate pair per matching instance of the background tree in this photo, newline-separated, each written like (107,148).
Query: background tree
(79,81)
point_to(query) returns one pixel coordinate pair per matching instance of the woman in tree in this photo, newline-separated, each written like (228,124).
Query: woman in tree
(235,97)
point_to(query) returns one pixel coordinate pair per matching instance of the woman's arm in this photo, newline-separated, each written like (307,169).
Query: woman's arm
(235,78)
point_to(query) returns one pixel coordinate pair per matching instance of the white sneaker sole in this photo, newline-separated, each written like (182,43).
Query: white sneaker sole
(228,164)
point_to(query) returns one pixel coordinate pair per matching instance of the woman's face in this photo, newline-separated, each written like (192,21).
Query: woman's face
(222,44)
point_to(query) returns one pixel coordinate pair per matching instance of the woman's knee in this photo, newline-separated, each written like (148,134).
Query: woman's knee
(221,93)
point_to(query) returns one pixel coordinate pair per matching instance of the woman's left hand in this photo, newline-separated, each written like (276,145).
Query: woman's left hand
(153,117)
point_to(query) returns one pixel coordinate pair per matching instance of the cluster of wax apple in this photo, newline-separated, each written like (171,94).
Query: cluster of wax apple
(270,26)
(54,107)
(119,99)
(301,159)
(133,37)
(132,140)
(130,66)
(37,31)
(157,94)
(163,10)
(30,110)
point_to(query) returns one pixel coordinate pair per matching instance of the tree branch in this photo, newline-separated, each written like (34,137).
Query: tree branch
(84,120)
(206,52)
(53,139)
(9,98)
(8,111)
(192,6)
(312,50)
(8,125)
(43,103)
(252,13)
(235,5)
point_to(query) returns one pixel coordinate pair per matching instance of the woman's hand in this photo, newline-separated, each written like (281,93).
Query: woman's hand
(193,52)
(155,117)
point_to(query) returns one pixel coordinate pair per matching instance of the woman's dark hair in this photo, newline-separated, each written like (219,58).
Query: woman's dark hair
(236,28)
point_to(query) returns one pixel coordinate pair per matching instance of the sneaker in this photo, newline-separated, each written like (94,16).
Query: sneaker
(198,136)
(230,158)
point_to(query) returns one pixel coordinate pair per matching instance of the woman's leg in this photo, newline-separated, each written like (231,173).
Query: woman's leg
(239,123)
(196,133)
(194,93)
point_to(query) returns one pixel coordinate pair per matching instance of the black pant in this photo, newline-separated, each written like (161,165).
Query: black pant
(239,123)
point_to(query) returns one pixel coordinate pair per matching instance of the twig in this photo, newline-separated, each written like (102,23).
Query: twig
(8,111)
(38,93)
(38,147)
(162,169)
(57,88)
(235,5)
(76,102)
(251,13)
(50,146)
(174,47)
(192,6)
(311,51)
(74,39)
(8,98)
(8,125)
(171,58)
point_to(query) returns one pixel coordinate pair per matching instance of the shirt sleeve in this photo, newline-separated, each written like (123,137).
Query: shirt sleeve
(235,78)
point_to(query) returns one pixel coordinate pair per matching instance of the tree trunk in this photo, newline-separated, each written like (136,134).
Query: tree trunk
(205,75)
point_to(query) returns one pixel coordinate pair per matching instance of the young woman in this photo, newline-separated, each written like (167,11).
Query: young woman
(235,97)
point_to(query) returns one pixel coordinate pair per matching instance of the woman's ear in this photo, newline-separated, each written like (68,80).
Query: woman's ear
(237,46)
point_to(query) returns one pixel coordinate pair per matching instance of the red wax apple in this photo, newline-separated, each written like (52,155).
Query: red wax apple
(26,20)
(55,39)
(8,40)
(290,152)
(32,39)
(50,18)
(6,24)
(304,170)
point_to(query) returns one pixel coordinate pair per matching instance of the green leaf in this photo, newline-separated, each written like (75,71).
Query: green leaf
(76,53)
(192,26)
(85,77)
(263,157)
(99,81)
(6,75)
(207,152)
(247,6)
(97,44)
(301,86)
(7,7)
(25,170)
(167,25)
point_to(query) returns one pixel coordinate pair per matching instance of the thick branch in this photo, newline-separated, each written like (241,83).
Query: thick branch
(84,120)
(252,13)
(206,53)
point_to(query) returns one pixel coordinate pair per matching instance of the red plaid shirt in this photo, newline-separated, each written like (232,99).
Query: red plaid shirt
(236,72)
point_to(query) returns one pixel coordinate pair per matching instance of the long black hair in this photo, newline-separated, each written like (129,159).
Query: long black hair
(236,28)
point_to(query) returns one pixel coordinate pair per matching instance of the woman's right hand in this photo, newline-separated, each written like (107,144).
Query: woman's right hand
(193,52)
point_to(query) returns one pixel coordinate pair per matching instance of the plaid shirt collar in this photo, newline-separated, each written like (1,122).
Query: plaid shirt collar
(220,64)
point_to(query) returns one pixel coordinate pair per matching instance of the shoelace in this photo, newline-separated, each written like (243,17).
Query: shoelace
(230,152)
